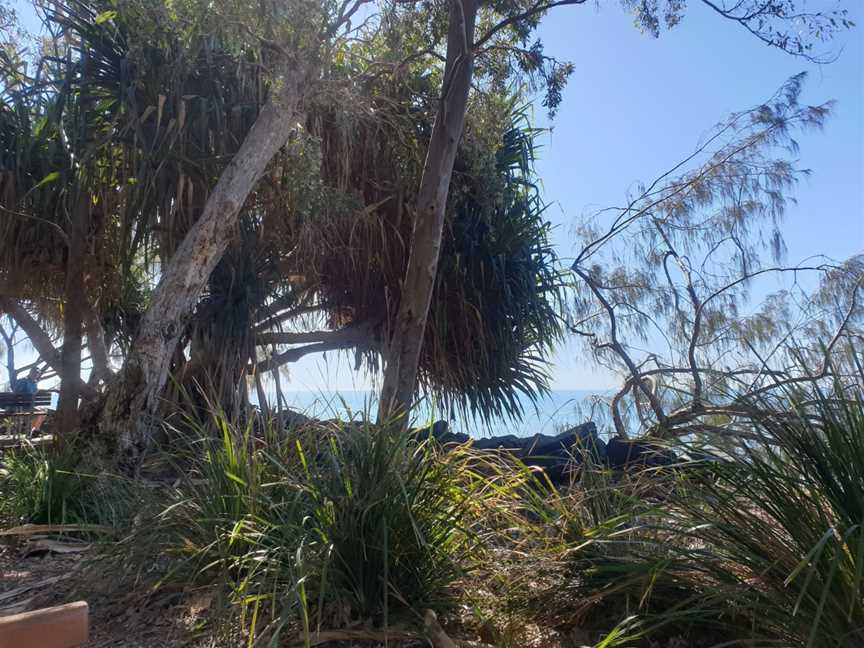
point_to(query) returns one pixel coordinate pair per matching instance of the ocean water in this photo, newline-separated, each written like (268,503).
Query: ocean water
(554,413)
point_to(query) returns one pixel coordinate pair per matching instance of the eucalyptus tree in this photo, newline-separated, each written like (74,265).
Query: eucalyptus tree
(663,283)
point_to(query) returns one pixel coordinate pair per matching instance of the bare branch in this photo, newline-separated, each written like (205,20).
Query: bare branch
(537,8)
(616,346)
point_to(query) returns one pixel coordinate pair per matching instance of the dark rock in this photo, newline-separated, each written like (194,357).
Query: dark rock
(506,442)
(451,438)
(290,419)
(440,431)
(623,453)
(556,454)
(575,441)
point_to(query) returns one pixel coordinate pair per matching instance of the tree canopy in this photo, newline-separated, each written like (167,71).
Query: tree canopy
(215,190)
(319,252)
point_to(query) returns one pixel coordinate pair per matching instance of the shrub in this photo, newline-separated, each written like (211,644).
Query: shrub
(768,551)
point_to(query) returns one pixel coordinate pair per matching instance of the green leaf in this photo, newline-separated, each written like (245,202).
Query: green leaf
(54,176)
(105,16)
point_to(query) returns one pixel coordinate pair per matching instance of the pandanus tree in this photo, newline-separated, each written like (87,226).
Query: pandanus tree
(317,259)
(229,131)
(496,295)
(58,243)
(321,239)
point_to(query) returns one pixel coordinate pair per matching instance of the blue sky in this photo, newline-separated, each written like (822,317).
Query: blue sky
(635,105)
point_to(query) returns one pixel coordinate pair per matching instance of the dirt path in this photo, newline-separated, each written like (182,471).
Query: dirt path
(119,616)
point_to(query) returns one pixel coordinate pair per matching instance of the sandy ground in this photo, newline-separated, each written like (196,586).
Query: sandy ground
(119,617)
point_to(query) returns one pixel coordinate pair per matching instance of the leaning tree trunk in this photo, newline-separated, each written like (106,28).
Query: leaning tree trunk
(132,396)
(403,351)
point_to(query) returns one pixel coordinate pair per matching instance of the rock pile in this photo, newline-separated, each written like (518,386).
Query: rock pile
(556,454)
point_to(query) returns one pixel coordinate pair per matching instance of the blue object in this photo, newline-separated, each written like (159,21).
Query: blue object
(25,386)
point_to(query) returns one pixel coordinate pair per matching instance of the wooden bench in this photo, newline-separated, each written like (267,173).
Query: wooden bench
(24,404)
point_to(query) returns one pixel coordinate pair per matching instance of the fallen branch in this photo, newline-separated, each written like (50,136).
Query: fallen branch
(11,594)
(54,546)
(31,529)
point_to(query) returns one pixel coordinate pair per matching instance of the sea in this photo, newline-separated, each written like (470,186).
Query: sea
(552,414)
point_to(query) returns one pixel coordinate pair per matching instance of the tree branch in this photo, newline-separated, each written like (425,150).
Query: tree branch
(537,8)
(618,348)
(96,344)
(354,336)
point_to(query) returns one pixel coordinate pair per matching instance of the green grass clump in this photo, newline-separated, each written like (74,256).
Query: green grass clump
(47,485)
(395,517)
(313,526)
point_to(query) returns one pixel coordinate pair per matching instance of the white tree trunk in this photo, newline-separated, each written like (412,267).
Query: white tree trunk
(132,398)
(403,351)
